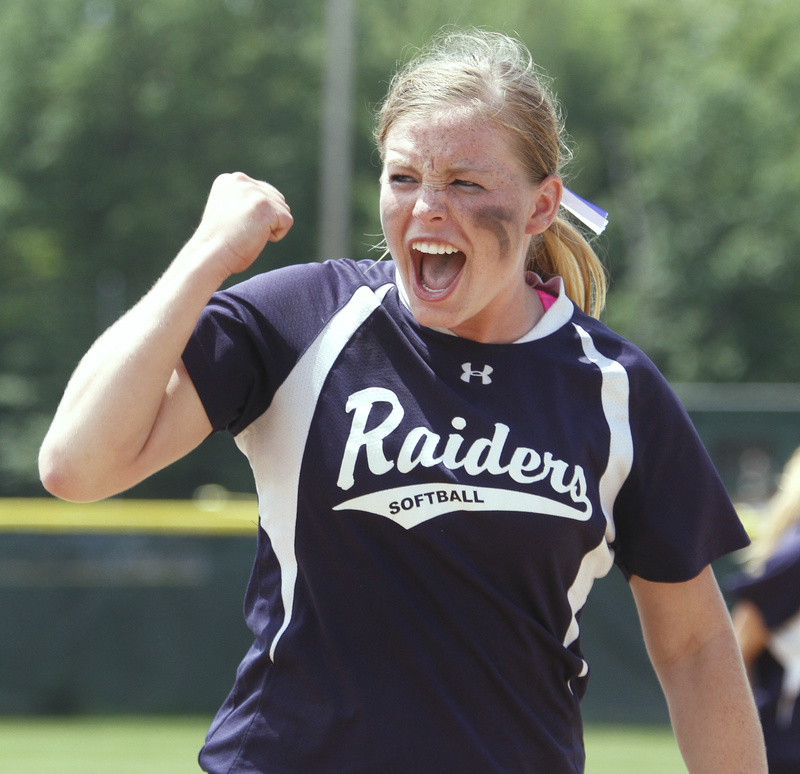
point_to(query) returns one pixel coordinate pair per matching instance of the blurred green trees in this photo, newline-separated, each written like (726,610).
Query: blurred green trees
(116,115)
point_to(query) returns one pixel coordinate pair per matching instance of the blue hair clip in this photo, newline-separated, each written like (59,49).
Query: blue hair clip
(586,212)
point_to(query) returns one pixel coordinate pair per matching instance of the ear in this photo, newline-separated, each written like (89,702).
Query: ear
(547,200)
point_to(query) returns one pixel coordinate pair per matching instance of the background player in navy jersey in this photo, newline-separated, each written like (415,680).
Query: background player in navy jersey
(448,449)
(767,621)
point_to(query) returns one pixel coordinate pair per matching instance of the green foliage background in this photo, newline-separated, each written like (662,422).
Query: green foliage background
(116,115)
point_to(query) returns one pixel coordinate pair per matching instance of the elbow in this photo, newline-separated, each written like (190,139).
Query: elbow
(61,477)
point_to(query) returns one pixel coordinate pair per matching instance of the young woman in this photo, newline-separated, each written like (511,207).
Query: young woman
(767,621)
(448,449)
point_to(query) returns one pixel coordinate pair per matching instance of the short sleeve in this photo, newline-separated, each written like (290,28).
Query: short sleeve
(247,339)
(225,365)
(673,515)
(250,336)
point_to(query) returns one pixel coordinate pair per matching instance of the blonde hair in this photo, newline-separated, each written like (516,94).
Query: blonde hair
(782,512)
(495,76)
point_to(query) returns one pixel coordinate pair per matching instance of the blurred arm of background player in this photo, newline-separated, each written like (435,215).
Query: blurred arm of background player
(130,407)
(693,648)
(751,631)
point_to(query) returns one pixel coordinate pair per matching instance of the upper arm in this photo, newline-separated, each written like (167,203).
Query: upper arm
(84,465)
(679,618)
(180,426)
(691,643)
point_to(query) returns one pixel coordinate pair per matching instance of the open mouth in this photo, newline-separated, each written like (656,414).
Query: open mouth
(438,266)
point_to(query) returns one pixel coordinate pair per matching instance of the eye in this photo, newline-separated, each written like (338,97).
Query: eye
(399,177)
(466,184)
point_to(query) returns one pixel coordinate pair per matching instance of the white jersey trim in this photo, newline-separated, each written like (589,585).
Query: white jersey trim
(278,437)
(615,398)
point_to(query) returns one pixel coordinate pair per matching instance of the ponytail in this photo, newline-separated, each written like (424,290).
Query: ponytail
(561,251)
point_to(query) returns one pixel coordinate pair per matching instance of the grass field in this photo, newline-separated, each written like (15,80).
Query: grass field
(150,745)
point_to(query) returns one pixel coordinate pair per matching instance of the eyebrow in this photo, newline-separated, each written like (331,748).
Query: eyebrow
(398,159)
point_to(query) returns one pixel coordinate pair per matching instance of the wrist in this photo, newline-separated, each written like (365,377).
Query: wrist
(201,262)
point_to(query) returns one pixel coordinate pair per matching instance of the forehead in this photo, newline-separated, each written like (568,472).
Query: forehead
(452,139)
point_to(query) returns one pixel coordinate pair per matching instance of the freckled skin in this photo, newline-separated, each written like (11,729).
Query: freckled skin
(492,219)
(453,181)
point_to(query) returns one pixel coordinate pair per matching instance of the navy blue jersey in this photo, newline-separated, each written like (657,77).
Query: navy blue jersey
(433,513)
(776,593)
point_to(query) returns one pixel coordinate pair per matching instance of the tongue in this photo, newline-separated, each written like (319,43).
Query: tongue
(439,271)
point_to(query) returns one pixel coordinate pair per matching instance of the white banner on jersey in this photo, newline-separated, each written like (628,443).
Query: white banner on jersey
(409,506)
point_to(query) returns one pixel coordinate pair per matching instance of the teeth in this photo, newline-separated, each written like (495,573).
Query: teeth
(431,249)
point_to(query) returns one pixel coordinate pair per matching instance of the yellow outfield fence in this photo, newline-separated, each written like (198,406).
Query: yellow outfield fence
(212,515)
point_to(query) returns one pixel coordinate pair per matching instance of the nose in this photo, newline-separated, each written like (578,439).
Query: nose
(430,204)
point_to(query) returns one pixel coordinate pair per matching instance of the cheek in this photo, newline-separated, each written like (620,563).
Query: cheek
(390,211)
(392,220)
(495,220)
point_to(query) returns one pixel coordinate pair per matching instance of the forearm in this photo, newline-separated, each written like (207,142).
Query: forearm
(111,403)
(712,710)
(130,408)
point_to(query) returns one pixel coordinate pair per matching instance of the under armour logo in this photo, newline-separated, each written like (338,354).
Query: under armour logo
(469,373)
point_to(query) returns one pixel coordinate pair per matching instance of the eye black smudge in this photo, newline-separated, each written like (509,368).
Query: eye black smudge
(493,219)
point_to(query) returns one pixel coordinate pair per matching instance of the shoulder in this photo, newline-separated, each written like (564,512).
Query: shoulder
(293,303)
(251,335)
(298,298)
(601,342)
(340,276)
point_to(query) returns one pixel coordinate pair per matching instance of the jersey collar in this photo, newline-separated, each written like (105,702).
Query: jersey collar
(554,318)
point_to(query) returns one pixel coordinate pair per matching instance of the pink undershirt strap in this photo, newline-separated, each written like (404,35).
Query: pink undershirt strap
(547,299)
